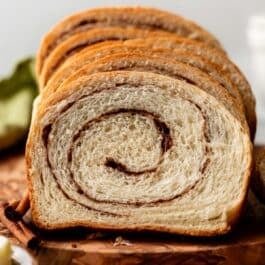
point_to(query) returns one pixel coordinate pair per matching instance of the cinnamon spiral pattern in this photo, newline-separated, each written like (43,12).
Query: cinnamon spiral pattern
(114,150)
(128,174)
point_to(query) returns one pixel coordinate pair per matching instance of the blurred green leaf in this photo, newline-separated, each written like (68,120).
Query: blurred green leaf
(17,93)
(23,76)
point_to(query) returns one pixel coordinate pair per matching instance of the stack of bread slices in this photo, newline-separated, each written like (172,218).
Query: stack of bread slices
(142,123)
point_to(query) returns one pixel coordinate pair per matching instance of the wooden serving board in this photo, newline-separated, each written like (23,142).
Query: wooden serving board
(245,246)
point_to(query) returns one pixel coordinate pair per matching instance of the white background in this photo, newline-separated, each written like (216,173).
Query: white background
(23,23)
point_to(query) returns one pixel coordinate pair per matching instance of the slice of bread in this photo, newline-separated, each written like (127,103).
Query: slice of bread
(217,57)
(125,17)
(137,151)
(93,53)
(82,40)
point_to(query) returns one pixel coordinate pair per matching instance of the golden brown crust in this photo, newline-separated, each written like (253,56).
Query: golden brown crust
(140,17)
(66,90)
(187,232)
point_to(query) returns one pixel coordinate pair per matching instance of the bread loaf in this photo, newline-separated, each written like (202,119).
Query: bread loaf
(114,150)
(142,123)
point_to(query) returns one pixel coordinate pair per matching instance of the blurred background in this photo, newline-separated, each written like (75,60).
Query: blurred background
(23,23)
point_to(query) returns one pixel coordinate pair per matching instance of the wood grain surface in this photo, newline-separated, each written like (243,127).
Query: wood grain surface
(244,246)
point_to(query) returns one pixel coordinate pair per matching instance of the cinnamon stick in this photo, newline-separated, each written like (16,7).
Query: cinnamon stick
(24,205)
(17,209)
(14,203)
(17,227)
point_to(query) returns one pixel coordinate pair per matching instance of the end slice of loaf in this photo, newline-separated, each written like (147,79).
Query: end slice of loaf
(114,150)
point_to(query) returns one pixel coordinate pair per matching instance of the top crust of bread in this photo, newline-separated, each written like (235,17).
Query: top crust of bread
(141,17)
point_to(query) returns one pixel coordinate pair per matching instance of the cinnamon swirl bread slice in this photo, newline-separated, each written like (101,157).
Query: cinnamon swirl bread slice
(216,57)
(138,151)
(82,40)
(93,53)
(125,17)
